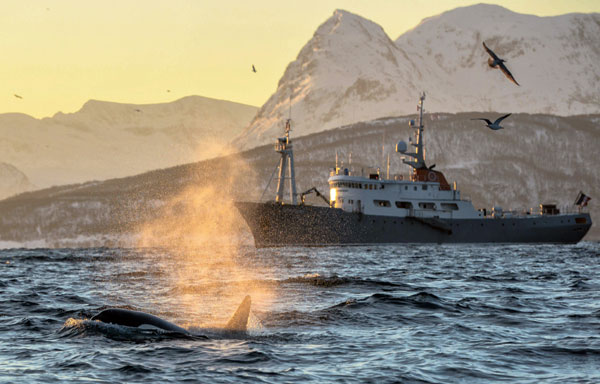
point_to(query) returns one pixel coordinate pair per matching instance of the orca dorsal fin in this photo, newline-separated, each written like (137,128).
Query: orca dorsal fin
(239,320)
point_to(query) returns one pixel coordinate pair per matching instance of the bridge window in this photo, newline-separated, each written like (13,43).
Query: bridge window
(404,204)
(427,205)
(382,203)
(449,207)
(424,187)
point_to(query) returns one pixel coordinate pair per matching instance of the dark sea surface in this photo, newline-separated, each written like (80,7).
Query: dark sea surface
(406,313)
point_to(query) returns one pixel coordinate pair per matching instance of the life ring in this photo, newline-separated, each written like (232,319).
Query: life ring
(432,176)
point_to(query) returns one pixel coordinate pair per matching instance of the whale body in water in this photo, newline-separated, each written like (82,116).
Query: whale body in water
(129,318)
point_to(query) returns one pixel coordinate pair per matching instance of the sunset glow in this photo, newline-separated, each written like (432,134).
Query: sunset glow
(59,54)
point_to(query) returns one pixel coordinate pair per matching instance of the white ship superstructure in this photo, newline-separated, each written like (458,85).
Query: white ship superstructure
(426,194)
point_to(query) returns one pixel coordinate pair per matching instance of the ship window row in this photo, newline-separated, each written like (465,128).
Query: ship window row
(346,184)
(422,205)
(423,187)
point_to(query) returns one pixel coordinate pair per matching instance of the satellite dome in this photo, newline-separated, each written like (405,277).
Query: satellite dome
(401,146)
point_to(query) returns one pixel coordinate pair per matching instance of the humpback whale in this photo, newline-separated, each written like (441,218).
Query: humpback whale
(129,318)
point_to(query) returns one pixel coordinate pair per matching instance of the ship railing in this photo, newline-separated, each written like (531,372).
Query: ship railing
(535,212)
(279,147)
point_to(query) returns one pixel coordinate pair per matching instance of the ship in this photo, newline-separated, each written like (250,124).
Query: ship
(376,209)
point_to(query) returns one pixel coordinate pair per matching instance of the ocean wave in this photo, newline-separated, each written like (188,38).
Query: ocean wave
(422,300)
(245,358)
(371,309)
(135,368)
(317,280)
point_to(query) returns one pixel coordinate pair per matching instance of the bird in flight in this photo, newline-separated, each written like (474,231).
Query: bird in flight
(138,110)
(495,62)
(496,124)
(168,90)
(253,69)
(18,96)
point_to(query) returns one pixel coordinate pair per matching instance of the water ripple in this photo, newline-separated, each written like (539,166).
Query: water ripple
(411,314)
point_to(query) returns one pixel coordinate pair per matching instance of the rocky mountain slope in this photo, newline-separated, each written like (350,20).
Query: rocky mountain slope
(106,140)
(352,71)
(536,158)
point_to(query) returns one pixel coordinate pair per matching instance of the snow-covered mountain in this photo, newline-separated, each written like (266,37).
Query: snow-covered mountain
(106,140)
(554,59)
(351,71)
(13,181)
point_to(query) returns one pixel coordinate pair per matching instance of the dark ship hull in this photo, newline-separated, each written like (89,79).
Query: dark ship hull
(276,225)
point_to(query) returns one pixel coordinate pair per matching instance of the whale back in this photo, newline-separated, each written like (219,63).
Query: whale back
(131,318)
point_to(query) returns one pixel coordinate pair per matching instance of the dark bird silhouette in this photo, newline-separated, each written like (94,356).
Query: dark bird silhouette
(168,90)
(496,124)
(138,110)
(18,96)
(253,69)
(495,62)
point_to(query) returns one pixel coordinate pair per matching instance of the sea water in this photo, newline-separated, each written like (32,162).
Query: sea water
(394,313)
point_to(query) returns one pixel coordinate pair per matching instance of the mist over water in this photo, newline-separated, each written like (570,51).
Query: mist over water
(203,234)
(413,313)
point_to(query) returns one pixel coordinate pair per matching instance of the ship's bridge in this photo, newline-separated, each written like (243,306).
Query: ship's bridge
(426,193)
(374,195)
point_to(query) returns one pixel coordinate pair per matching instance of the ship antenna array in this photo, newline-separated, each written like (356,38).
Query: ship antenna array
(418,156)
(285,165)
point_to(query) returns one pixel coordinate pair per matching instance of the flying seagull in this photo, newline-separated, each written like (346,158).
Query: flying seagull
(496,62)
(18,96)
(496,124)
(253,69)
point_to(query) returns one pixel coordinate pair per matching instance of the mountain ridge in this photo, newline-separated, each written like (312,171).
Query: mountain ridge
(350,70)
(103,139)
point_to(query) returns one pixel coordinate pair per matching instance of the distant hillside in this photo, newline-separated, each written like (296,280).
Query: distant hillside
(105,140)
(536,158)
(13,181)
(350,70)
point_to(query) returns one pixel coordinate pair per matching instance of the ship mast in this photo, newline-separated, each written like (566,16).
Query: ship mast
(418,156)
(285,148)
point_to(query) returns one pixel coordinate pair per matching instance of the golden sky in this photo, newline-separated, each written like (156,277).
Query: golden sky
(57,54)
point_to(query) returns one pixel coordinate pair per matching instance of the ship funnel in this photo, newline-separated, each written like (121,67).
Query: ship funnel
(401,147)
